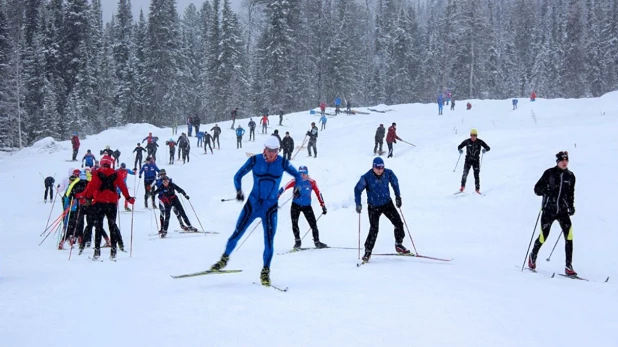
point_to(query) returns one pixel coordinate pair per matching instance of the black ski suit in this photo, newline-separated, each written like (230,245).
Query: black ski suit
(557,187)
(138,156)
(215,136)
(473,152)
(184,146)
(49,188)
(168,200)
(287,144)
(313,140)
(379,139)
(207,140)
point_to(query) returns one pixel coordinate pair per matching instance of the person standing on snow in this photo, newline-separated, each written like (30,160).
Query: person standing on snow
(234,114)
(75,144)
(107,151)
(557,187)
(337,105)
(239,134)
(515,102)
(379,140)
(196,123)
(267,169)
(168,200)
(313,140)
(533,96)
(391,137)
(302,203)
(215,135)
(252,126)
(200,138)
(207,140)
(453,105)
(287,144)
(89,159)
(150,171)
(265,122)
(323,120)
(75,223)
(281,117)
(138,156)
(440,104)
(348,107)
(376,181)
(184,146)
(49,188)
(190,125)
(276,134)
(474,147)
(123,172)
(322,108)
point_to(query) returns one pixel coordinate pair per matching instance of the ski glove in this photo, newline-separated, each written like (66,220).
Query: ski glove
(359,208)
(571,210)
(484,150)
(131,200)
(323,209)
(461,151)
(186,197)
(398,202)
(140,177)
(240,196)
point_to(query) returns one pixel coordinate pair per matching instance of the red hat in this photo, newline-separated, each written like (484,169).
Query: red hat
(106,161)
(76,172)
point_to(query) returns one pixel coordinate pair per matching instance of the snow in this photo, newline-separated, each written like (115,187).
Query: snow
(479,299)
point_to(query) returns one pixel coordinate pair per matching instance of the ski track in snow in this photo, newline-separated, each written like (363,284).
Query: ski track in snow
(479,299)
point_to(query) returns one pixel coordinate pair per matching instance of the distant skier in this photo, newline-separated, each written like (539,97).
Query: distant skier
(75,222)
(75,143)
(123,173)
(197,122)
(157,185)
(239,134)
(323,120)
(168,200)
(287,144)
(268,170)
(533,96)
(313,140)
(151,147)
(184,145)
(190,125)
(200,138)
(468,106)
(116,156)
(337,105)
(138,156)
(440,104)
(149,170)
(379,140)
(302,203)
(448,96)
(280,117)
(276,134)
(557,187)
(265,122)
(453,105)
(233,114)
(376,181)
(348,107)
(322,108)
(149,138)
(515,102)
(215,135)
(252,126)
(391,137)
(107,151)
(88,159)
(49,188)
(474,147)
(207,141)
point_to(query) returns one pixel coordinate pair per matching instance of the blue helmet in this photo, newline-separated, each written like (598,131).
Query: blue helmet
(123,165)
(303,169)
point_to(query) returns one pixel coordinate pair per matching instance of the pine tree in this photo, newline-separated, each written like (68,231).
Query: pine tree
(123,35)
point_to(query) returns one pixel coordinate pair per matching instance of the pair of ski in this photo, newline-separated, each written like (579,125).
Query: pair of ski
(186,232)
(573,277)
(295,250)
(405,255)
(221,272)
(462,193)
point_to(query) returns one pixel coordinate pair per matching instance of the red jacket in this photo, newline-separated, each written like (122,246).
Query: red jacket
(102,187)
(75,142)
(323,105)
(391,136)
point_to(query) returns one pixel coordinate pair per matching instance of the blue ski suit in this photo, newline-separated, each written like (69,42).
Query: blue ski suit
(262,201)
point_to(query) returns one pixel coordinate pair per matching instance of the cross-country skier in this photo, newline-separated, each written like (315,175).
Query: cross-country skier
(379,139)
(190,126)
(152,148)
(215,135)
(197,122)
(302,203)
(158,184)
(322,108)
(150,171)
(138,156)
(265,122)
(287,144)
(102,191)
(391,137)
(184,146)
(207,140)
(200,138)
(267,169)
(89,159)
(515,102)
(468,106)
(75,144)
(453,105)
(49,188)
(337,105)
(313,140)
(440,104)
(276,134)
(116,156)
(123,172)
(557,187)
(474,147)
(239,134)
(348,107)
(172,147)
(150,138)
(323,120)
(89,212)
(281,117)
(234,114)
(533,96)
(168,200)
(376,181)
(252,126)
(107,151)
(75,223)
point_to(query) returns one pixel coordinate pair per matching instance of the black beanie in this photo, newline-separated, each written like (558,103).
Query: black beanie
(562,155)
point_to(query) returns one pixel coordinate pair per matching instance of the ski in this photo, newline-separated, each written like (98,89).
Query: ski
(295,250)
(576,277)
(361,263)
(206,272)
(197,232)
(99,260)
(272,286)
(413,255)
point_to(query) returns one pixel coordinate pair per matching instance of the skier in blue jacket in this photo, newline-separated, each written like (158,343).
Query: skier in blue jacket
(376,181)
(239,134)
(440,104)
(268,169)
(150,171)
(323,120)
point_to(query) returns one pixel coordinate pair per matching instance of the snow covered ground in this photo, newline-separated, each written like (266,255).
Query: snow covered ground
(479,299)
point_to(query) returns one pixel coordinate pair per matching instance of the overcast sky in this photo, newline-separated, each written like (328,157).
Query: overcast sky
(110,7)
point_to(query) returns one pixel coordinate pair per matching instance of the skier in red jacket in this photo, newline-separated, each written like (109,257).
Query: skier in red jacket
(391,137)
(75,143)
(102,192)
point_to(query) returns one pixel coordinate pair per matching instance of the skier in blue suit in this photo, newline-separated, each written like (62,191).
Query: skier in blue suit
(268,169)
(440,104)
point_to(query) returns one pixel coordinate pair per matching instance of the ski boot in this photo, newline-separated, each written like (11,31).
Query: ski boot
(265,276)
(146,203)
(462,189)
(81,250)
(112,254)
(184,227)
(320,245)
(127,209)
(568,270)
(97,254)
(478,191)
(400,249)
(162,233)
(297,244)
(221,263)
(192,228)
(367,256)
(121,247)
(532,262)
(88,244)
(61,245)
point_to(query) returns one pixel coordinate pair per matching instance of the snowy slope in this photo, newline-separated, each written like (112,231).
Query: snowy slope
(479,299)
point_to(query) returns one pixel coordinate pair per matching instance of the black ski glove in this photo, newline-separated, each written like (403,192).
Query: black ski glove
(240,196)
(186,197)
(571,210)
(461,151)
(398,202)
(359,208)
(140,177)
(323,209)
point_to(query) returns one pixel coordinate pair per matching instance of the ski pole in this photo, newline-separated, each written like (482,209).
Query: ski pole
(246,238)
(71,242)
(55,225)
(481,162)
(50,212)
(457,162)
(406,224)
(224,200)
(359,232)
(411,144)
(531,238)
(301,147)
(54,222)
(553,249)
(155,218)
(66,226)
(131,242)
(320,216)
(198,218)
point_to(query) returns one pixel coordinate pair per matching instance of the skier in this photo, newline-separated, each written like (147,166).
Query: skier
(533,96)
(107,151)
(138,156)
(440,104)
(239,134)
(515,102)
(376,181)
(348,107)
(172,148)
(149,138)
(150,171)
(197,122)
(468,106)
(276,134)
(322,108)
(453,105)
(157,185)
(234,114)
(265,122)
(74,226)
(215,135)
(448,97)
(323,120)
(474,147)
(184,146)
(207,140)
(302,203)
(102,191)
(200,138)
(287,144)
(168,200)
(281,117)
(75,144)
(379,140)
(189,125)
(252,126)
(123,173)
(313,139)
(49,188)
(89,159)
(268,168)
(337,105)
(391,137)
(89,212)
(557,187)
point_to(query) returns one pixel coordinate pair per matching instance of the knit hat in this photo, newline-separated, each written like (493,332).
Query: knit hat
(378,162)
(303,170)
(76,173)
(474,132)
(271,143)
(562,155)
